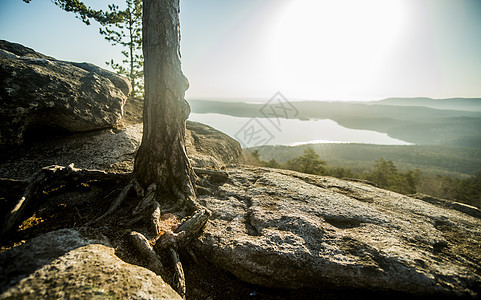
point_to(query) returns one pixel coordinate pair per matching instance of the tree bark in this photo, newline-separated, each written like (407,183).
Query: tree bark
(161,158)
(131,48)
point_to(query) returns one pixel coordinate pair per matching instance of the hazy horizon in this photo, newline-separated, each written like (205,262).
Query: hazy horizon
(263,100)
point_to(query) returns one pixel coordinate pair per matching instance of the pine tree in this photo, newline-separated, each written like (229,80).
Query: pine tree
(161,158)
(85,13)
(384,173)
(128,33)
(120,27)
(308,163)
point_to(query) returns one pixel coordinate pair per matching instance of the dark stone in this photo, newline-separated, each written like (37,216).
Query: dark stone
(39,94)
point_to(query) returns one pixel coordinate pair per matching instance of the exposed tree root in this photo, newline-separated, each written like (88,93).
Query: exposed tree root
(192,255)
(179,273)
(193,227)
(155,217)
(14,215)
(115,204)
(147,201)
(147,252)
(39,180)
(171,241)
(167,236)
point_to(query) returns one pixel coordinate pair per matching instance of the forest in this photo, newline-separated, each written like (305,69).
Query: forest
(454,161)
(382,173)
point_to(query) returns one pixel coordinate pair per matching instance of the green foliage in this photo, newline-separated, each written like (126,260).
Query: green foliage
(308,163)
(340,172)
(383,173)
(127,32)
(386,175)
(272,164)
(469,190)
(255,153)
(119,27)
(86,13)
(466,190)
(431,159)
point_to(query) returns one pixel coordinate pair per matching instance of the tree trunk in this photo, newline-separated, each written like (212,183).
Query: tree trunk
(131,48)
(161,158)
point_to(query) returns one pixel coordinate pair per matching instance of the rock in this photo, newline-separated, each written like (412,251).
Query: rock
(285,229)
(21,50)
(119,82)
(75,265)
(208,147)
(114,150)
(40,94)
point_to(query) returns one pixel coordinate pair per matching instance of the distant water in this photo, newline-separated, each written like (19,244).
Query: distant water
(262,131)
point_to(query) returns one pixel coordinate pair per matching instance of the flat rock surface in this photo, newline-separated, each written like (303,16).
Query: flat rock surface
(68,264)
(285,229)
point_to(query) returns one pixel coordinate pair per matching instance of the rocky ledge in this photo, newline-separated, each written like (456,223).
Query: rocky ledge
(285,229)
(282,234)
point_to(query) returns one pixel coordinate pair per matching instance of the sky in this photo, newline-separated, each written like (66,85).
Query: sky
(305,49)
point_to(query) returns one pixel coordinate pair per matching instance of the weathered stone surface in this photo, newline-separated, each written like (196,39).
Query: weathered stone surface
(21,50)
(208,147)
(39,93)
(67,264)
(114,150)
(290,230)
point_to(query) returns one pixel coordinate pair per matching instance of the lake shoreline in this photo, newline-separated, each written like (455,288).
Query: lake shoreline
(251,132)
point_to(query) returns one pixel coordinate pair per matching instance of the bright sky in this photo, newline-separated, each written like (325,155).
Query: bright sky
(306,49)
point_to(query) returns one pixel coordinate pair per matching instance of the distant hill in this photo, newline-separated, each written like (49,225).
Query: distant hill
(467,104)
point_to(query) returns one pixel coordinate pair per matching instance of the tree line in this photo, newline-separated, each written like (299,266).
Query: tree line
(457,162)
(383,174)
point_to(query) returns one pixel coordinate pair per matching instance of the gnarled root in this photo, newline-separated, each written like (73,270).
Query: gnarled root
(43,177)
(177,237)
(116,203)
(155,219)
(14,215)
(193,226)
(146,201)
(145,249)
(185,233)
(179,273)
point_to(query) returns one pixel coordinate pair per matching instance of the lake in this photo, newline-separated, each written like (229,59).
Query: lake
(252,132)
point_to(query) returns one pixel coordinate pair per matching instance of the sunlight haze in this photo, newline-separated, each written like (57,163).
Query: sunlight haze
(306,49)
(335,49)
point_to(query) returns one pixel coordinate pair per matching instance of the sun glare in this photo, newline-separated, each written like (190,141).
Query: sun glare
(334,46)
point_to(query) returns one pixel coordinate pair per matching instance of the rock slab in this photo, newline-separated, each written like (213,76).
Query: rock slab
(285,229)
(40,94)
(68,264)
